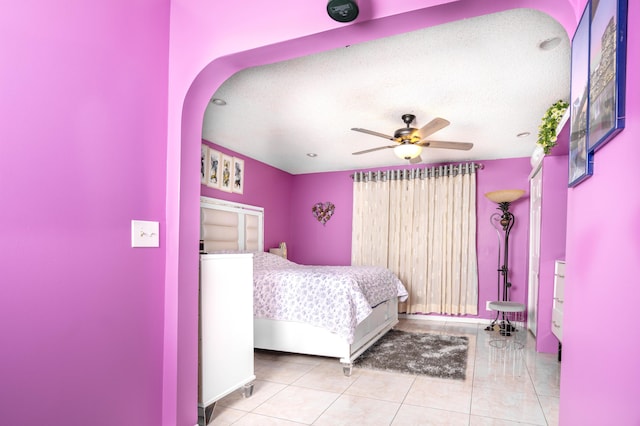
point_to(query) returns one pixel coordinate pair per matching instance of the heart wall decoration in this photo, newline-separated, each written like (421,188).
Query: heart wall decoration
(323,211)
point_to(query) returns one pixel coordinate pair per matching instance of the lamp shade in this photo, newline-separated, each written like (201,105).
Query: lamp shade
(407,151)
(505,195)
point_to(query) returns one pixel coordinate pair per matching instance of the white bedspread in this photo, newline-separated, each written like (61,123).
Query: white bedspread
(334,297)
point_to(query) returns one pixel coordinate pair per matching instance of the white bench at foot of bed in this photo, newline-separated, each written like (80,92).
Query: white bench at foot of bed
(301,338)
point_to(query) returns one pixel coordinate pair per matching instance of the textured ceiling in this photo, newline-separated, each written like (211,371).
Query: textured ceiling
(486,75)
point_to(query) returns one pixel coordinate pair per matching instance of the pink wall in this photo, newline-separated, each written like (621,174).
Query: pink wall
(266,187)
(82,153)
(118,105)
(312,242)
(601,348)
(503,174)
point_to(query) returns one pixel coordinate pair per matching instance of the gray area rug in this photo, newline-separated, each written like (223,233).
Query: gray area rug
(434,355)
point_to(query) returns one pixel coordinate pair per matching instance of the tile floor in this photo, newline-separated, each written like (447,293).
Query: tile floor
(502,387)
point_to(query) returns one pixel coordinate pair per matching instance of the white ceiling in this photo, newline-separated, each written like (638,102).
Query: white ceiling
(486,75)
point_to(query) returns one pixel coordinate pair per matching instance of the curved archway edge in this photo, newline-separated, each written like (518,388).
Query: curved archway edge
(181,282)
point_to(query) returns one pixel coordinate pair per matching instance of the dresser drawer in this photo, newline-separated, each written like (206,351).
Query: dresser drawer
(558,295)
(556,323)
(558,286)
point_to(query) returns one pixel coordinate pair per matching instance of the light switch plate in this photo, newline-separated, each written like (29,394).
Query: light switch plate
(145,233)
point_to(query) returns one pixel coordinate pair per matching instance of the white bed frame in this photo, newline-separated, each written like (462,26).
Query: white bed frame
(302,338)
(290,336)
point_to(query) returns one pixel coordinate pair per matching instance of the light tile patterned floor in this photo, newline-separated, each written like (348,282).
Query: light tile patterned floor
(501,388)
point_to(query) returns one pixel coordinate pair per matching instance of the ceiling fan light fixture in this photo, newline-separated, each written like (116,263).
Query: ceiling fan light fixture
(407,151)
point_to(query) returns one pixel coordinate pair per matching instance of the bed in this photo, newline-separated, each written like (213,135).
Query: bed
(332,311)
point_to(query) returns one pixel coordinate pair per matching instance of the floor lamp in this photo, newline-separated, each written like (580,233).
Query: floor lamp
(504,198)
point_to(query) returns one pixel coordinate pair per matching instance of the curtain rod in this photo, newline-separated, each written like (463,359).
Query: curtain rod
(428,170)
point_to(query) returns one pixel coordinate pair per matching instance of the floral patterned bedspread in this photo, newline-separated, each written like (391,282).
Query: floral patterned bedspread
(333,297)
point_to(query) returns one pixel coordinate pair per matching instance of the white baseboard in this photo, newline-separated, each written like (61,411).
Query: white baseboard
(440,318)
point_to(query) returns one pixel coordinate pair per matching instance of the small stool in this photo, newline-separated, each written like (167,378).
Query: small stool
(511,333)
(507,339)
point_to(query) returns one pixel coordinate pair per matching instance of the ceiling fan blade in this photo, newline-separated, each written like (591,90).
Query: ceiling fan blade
(416,160)
(463,146)
(432,127)
(371,132)
(373,149)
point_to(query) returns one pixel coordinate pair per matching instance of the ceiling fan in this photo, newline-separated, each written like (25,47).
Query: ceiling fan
(410,141)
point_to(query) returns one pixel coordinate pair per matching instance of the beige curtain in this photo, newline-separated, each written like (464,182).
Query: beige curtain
(421,224)
(370,232)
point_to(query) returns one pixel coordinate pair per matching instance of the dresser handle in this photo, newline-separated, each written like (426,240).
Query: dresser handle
(556,325)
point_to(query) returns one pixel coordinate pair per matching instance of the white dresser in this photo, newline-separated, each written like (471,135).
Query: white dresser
(226,328)
(558,299)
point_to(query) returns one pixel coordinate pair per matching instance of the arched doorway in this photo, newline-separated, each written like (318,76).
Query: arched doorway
(181,306)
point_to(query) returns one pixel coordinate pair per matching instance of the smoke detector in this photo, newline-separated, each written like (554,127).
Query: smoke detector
(342,10)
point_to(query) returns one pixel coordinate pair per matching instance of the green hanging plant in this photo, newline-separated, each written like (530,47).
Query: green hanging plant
(547,137)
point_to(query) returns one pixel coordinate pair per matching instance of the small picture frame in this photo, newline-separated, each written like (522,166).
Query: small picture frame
(226,172)
(607,71)
(580,163)
(204,163)
(214,168)
(237,177)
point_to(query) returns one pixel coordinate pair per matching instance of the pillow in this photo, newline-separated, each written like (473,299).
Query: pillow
(264,260)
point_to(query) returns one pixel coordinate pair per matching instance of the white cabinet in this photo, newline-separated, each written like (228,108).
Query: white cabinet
(558,299)
(226,328)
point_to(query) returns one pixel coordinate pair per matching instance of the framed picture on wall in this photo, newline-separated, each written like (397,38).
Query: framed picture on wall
(204,163)
(226,172)
(238,175)
(607,71)
(580,164)
(215,165)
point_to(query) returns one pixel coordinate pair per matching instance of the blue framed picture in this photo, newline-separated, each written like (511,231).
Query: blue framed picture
(580,159)
(607,71)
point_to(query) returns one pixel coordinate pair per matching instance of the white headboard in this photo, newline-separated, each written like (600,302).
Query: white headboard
(225,225)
